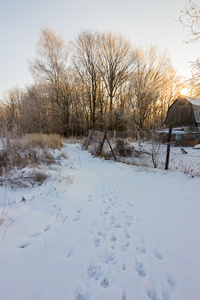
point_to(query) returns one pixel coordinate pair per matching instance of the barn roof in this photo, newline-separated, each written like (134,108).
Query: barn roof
(181,114)
(193,101)
(196,107)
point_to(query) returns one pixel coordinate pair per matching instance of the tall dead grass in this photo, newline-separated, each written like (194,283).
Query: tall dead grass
(36,140)
(29,150)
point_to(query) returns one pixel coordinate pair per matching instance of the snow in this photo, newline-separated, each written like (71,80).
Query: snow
(193,101)
(101,230)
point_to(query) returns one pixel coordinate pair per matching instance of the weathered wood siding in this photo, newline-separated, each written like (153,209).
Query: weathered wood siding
(181,113)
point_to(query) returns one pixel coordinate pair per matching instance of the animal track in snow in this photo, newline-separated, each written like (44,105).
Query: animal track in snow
(89,198)
(141,250)
(94,272)
(104,283)
(96,242)
(127,235)
(113,246)
(76,218)
(110,258)
(24,245)
(124,296)
(140,269)
(171,281)
(158,255)
(34,234)
(70,251)
(152,295)
(80,297)
(113,238)
(47,228)
(165,295)
(130,204)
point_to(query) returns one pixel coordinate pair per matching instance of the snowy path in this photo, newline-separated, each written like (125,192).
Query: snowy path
(114,233)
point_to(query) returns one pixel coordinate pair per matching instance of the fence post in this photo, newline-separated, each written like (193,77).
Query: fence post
(88,139)
(168,147)
(101,146)
(111,148)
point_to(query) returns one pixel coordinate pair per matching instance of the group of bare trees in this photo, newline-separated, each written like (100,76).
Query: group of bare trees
(96,81)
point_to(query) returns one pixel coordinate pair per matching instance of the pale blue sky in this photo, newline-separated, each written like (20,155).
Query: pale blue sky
(144,22)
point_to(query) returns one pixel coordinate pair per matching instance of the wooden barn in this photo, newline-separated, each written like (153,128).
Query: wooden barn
(185,111)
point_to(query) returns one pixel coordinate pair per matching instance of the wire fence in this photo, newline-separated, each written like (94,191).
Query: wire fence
(177,149)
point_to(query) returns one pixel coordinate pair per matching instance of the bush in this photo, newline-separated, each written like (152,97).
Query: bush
(123,149)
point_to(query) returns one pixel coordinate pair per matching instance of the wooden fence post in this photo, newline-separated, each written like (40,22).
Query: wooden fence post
(88,139)
(168,147)
(103,141)
(101,146)
(111,148)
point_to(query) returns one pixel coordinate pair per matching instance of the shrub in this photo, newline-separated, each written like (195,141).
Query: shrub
(123,149)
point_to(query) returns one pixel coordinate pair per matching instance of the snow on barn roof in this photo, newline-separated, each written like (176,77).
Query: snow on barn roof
(196,107)
(193,101)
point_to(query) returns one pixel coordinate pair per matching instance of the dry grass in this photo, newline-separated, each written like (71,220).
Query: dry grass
(36,140)
(32,149)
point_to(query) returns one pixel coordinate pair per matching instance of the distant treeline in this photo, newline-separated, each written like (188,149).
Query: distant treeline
(97,81)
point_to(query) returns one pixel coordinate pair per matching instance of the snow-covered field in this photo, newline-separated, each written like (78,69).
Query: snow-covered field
(101,230)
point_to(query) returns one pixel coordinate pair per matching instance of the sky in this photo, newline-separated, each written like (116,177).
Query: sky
(144,22)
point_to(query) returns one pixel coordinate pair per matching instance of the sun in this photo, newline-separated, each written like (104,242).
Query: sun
(184,91)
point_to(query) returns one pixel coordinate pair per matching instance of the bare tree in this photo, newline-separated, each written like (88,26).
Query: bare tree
(85,61)
(146,85)
(51,66)
(117,63)
(13,107)
(190,18)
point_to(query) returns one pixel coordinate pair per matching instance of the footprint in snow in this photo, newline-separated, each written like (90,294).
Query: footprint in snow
(129,223)
(89,198)
(47,228)
(127,235)
(110,258)
(124,296)
(140,269)
(70,252)
(113,238)
(80,297)
(171,281)
(125,247)
(168,290)
(94,272)
(96,242)
(104,283)
(141,250)
(158,255)
(24,245)
(37,233)
(76,218)
(152,295)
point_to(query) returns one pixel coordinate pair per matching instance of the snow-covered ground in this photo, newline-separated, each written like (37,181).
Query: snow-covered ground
(101,230)
(186,162)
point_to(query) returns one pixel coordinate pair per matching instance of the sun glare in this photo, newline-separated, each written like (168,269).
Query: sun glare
(184,91)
